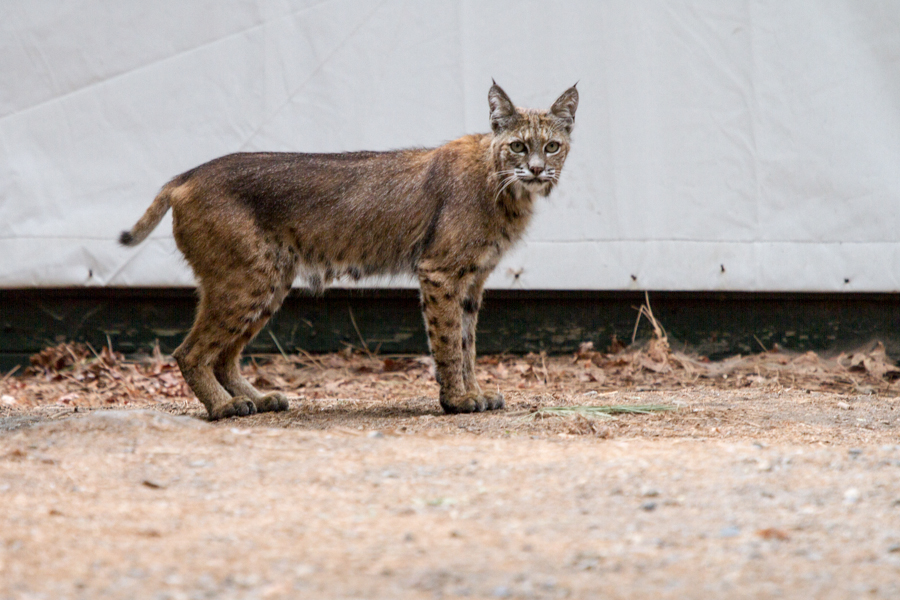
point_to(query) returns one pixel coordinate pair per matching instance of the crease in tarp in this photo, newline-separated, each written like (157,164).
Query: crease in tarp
(702,42)
(321,64)
(163,60)
(743,83)
(130,257)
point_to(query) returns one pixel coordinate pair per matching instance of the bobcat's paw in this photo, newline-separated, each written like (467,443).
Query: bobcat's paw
(238,407)
(467,403)
(493,401)
(274,402)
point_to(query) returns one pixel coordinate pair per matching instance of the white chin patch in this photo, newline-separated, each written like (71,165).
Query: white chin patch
(537,187)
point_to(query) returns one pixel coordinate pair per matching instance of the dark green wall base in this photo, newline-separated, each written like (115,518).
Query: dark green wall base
(714,324)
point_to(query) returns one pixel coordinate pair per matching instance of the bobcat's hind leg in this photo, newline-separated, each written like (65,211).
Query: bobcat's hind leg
(195,356)
(228,373)
(266,300)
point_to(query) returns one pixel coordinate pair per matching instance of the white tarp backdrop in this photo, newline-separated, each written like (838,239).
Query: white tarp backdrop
(741,145)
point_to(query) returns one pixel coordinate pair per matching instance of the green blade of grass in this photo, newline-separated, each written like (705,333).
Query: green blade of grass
(602,412)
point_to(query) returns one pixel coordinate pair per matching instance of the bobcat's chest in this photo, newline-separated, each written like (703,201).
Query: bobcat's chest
(515,212)
(508,225)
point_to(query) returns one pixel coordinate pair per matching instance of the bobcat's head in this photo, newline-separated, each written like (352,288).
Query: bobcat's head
(530,145)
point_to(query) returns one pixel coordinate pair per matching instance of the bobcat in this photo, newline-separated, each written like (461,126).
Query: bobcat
(249,223)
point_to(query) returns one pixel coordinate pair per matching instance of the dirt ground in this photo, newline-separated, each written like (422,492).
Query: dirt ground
(765,476)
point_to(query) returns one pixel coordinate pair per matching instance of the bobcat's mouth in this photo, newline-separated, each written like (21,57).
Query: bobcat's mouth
(535,181)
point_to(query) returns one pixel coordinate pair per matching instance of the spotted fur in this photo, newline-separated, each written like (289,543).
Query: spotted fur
(250,223)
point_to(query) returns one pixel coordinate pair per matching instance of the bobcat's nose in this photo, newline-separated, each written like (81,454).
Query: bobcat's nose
(536,170)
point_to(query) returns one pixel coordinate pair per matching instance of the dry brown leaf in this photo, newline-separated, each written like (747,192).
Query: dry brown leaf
(771,533)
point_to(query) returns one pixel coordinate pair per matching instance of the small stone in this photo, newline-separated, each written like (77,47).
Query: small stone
(843,406)
(730,531)
(375,434)
(649,492)
(854,452)
(648,506)
(851,496)
(894,548)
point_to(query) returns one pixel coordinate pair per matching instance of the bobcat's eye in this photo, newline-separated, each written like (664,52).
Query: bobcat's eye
(551,147)
(517,147)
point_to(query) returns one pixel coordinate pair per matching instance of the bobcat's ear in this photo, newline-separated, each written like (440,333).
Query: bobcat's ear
(503,113)
(565,106)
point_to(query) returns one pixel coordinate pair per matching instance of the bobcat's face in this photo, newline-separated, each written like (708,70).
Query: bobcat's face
(530,146)
(534,153)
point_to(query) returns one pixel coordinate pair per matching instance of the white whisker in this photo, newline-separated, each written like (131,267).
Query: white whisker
(507,182)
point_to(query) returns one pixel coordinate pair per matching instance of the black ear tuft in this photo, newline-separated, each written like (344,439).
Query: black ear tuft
(503,113)
(565,106)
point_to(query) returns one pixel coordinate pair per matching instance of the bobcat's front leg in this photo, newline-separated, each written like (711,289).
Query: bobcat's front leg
(442,294)
(471,304)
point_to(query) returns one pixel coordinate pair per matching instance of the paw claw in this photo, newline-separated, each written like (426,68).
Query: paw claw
(468,403)
(274,402)
(238,407)
(493,401)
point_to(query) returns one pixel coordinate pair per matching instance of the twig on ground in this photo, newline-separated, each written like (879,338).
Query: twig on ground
(10,372)
(763,346)
(91,348)
(277,345)
(362,340)
(315,361)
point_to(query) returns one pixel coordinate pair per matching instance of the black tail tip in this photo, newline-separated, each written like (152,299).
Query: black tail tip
(126,238)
